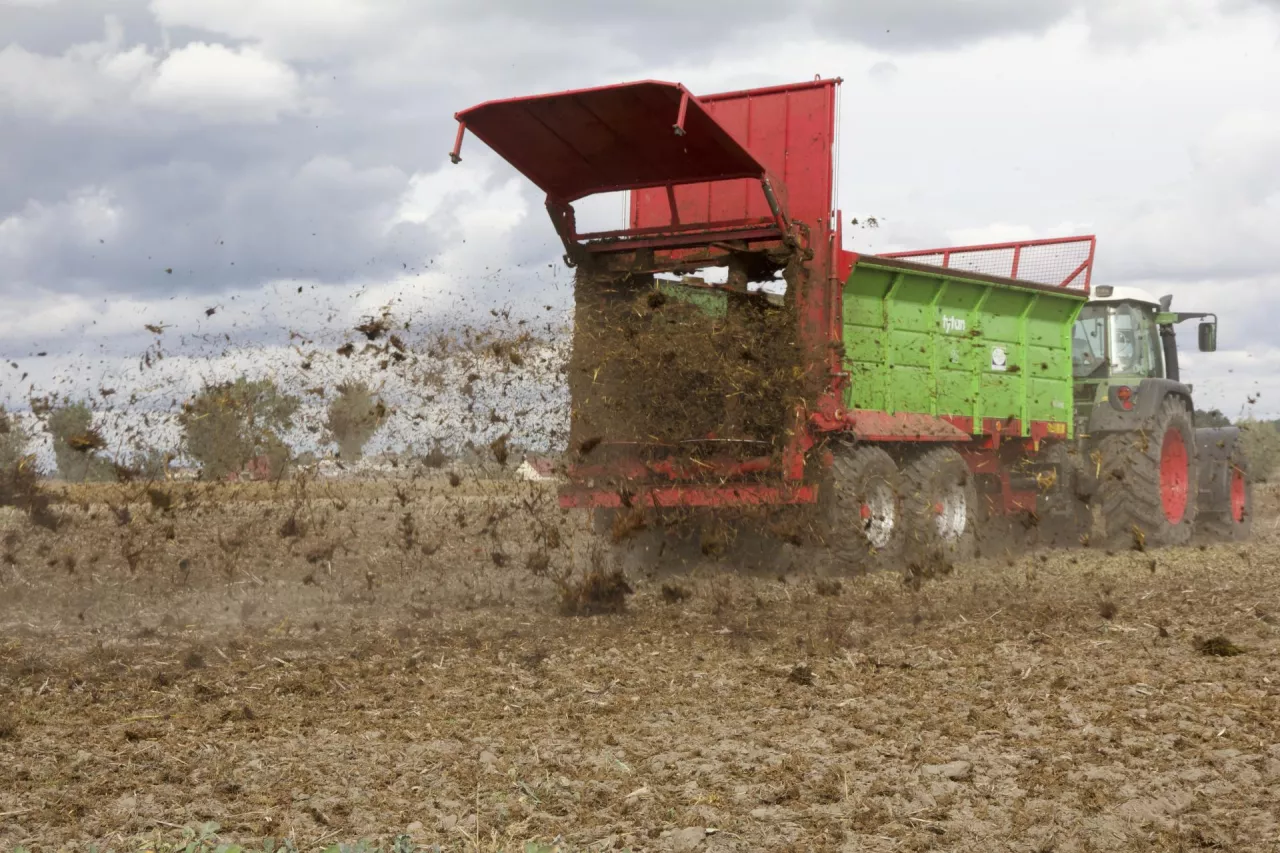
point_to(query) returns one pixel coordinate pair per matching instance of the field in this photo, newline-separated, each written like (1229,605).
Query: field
(330,662)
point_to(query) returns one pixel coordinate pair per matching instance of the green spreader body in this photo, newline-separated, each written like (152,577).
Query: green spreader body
(963,347)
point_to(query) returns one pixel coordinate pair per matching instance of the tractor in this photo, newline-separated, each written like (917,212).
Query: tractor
(1156,476)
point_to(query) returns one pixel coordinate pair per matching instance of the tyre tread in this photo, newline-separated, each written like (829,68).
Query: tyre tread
(1130,487)
(853,465)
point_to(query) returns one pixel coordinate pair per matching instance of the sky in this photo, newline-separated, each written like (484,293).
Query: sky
(286,165)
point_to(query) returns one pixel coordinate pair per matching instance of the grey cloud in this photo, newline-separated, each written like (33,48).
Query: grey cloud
(658,26)
(220,216)
(52,28)
(304,196)
(883,71)
(892,25)
(307,193)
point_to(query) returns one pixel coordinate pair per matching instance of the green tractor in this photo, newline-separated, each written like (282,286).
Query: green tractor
(1156,478)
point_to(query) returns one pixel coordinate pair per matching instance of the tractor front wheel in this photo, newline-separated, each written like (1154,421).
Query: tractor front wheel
(1149,481)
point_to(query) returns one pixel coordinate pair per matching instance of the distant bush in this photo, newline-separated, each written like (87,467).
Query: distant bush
(76,443)
(13,439)
(152,464)
(227,425)
(1261,442)
(436,457)
(354,416)
(1211,418)
(19,481)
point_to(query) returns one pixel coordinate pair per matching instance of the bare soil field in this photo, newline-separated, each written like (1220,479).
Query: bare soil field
(326,666)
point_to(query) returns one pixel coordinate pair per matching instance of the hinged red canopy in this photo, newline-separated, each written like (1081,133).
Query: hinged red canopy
(628,136)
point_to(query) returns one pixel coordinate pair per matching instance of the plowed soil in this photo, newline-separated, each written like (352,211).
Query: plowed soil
(322,668)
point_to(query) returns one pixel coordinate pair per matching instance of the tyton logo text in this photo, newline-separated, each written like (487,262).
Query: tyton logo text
(952,324)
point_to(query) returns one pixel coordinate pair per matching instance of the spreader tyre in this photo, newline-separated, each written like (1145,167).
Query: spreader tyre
(1232,522)
(1148,483)
(864,513)
(941,502)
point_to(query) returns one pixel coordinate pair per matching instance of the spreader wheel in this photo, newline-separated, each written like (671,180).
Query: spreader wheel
(941,501)
(864,522)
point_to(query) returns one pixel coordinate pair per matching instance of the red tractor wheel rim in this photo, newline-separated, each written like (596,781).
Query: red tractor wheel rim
(1238,499)
(1173,476)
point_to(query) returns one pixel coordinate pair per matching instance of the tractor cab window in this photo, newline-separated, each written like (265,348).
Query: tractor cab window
(1118,338)
(1089,342)
(1135,343)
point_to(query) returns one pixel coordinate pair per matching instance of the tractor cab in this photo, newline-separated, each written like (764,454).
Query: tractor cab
(1117,335)
(1122,341)
(1125,332)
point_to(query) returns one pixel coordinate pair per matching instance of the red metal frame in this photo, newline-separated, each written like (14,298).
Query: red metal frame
(613,138)
(994,462)
(637,470)
(791,130)
(1072,279)
(580,142)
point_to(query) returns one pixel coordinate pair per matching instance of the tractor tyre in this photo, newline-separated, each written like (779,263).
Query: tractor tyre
(940,497)
(1232,522)
(863,520)
(1062,507)
(1149,481)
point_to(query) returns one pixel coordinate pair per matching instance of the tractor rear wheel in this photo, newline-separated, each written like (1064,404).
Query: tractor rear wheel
(1149,481)
(864,524)
(941,500)
(1233,521)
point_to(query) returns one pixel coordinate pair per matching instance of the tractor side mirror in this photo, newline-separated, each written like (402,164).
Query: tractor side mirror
(1208,336)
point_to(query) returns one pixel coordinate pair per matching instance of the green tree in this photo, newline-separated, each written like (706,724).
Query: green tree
(227,424)
(151,464)
(18,477)
(75,445)
(354,416)
(13,439)
(1261,444)
(1211,418)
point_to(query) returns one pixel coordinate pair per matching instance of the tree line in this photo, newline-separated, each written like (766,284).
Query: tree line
(1261,440)
(226,427)
(230,426)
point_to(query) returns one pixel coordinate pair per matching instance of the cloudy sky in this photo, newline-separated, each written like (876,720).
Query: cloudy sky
(159,158)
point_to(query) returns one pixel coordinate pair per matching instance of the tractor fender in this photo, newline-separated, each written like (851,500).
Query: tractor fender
(1214,447)
(1148,395)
